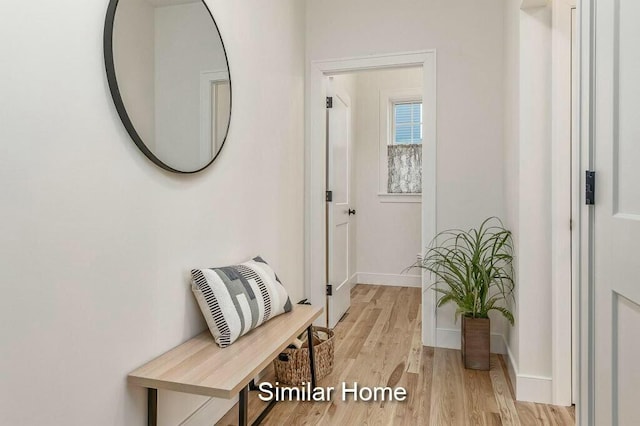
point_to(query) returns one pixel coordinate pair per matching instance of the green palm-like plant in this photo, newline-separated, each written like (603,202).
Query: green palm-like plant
(473,269)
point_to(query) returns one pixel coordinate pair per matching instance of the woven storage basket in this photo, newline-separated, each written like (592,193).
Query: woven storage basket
(292,366)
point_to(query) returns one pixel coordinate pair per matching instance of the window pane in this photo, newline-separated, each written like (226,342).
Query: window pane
(417,113)
(403,134)
(407,123)
(403,113)
(417,133)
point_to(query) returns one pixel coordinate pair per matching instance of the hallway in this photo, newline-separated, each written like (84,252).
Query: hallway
(378,344)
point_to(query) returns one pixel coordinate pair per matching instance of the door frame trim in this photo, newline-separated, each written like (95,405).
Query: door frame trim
(315,167)
(585,400)
(565,167)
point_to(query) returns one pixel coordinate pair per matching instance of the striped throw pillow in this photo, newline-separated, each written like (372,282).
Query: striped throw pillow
(237,299)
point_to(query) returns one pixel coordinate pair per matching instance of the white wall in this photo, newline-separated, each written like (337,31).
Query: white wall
(389,236)
(96,241)
(468,36)
(528,177)
(534,298)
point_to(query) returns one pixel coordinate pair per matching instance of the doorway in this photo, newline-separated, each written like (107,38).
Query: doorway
(374,181)
(317,258)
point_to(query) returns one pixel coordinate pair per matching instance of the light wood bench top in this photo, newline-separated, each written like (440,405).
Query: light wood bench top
(199,366)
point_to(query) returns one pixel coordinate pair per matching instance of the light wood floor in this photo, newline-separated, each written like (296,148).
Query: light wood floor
(378,344)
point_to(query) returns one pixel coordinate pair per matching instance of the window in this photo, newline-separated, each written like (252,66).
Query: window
(407,123)
(404,150)
(401,143)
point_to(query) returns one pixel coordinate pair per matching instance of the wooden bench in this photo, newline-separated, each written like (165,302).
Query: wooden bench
(201,367)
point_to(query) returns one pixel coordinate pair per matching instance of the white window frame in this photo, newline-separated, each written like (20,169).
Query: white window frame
(388,98)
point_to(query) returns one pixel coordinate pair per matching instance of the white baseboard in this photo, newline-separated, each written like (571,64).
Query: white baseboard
(534,389)
(450,339)
(353,280)
(529,388)
(214,409)
(512,367)
(210,412)
(395,280)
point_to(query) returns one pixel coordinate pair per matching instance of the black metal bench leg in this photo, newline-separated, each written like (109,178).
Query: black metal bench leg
(311,357)
(152,407)
(243,418)
(265,412)
(243,406)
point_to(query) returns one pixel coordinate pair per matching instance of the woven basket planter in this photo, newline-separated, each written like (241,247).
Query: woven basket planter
(292,365)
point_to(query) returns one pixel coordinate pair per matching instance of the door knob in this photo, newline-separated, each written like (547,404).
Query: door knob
(351,211)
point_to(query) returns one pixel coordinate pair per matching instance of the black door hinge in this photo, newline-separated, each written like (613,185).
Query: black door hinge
(329,290)
(329,196)
(329,102)
(590,188)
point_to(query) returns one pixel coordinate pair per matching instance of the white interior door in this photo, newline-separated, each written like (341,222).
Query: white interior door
(339,140)
(616,241)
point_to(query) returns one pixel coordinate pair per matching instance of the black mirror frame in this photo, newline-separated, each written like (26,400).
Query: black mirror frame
(117,98)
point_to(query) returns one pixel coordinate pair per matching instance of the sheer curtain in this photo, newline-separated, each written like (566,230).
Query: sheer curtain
(405,169)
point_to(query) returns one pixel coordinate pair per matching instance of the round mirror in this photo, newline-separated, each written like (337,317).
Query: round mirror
(169,78)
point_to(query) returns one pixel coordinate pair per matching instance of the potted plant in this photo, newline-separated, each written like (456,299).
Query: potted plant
(474,270)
